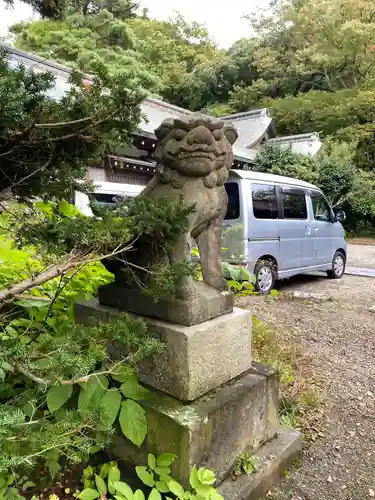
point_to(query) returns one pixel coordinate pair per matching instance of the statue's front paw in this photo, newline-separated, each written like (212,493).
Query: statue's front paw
(187,291)
(217,282)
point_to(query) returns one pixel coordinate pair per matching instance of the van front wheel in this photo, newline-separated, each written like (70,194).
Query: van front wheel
(265,276)
(338,266)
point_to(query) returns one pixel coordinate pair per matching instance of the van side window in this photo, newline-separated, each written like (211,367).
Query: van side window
(233,208)
(294,203)
(321,209)
(264,201)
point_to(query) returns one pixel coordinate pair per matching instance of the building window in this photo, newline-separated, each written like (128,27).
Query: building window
(294,203)
(264,201)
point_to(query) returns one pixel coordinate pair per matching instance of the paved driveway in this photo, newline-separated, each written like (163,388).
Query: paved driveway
(361,256)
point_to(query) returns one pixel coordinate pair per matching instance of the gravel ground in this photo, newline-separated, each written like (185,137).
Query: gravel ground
(339,336)
(361,256)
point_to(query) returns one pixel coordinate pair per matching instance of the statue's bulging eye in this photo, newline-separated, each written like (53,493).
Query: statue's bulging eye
(231,135)
(179,134)
(217,134)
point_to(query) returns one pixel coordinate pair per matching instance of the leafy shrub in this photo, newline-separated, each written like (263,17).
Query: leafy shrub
(61,390)
(155,476)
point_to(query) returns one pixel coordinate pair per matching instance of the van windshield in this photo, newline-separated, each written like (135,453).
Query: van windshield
(233,210)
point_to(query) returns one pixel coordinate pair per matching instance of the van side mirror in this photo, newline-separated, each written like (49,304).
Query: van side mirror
(340,216)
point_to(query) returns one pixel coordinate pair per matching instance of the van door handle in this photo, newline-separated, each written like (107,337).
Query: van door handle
(308,230)
(316,228)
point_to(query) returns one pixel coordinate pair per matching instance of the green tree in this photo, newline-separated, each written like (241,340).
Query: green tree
(172,49)
(58,9)
(332,170)
(336,171)
(212,80)
(323,44)
(275,160)
(46,144)
(85,42)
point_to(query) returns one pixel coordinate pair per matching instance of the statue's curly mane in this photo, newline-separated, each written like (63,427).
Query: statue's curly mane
(167,175)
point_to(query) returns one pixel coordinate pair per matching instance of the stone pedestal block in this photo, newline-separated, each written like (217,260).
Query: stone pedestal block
(213,430)
(197,359)
(208,304)
(272,458)
(211,403)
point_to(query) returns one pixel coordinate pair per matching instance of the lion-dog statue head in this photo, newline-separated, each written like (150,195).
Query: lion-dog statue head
(194,147)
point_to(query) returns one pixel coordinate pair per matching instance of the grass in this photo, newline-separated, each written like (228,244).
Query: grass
(300,402)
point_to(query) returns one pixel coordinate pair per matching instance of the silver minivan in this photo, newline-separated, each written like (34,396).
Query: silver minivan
(278,227)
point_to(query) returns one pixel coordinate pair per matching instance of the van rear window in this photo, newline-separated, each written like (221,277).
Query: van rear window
(233,210)
(264,201)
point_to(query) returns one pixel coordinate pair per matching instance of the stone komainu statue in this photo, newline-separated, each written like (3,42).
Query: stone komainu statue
(194,156)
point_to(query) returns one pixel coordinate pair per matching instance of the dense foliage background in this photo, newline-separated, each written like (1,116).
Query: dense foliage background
(311,62)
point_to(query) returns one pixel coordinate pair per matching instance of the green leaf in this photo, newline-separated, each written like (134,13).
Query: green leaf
(163,471)
(176,489)
(133,390)
(89,494)
(122,373)
(166,459)
(67,209)
(111,403)
(151,461)
(162,486)
(214,495)
(124,489)
(100,484)
(206,476)
(194,480)
(113,476)
(2,375)
(104,470)
(165,479)
(88,471)
(139,495)
(58,396)
(27,485)
(154,495)
(53,467)
(205,490)
(28,304)
(187,495)
(145,476)
(92,392)
(133,422)
(7,367)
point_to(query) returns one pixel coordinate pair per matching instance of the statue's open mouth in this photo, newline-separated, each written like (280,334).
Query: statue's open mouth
(211,155)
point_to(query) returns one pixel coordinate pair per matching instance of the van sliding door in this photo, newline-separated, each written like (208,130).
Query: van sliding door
(296,243)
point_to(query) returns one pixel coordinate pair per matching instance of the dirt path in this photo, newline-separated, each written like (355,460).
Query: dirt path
(339,336)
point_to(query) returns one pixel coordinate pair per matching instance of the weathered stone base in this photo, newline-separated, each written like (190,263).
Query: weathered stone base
(208,304)
(213,430)
(272,459)
(196,359)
